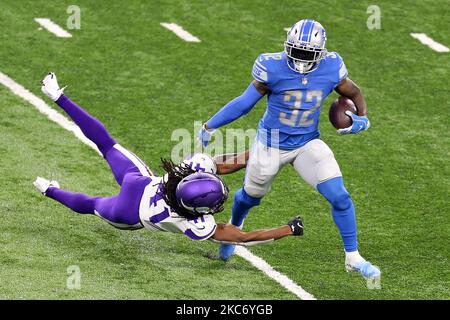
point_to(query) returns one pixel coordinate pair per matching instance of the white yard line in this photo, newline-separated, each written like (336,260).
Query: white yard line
(426,40)
(53,27)
(53,115)
(180,32)
(269,271)
(44,108)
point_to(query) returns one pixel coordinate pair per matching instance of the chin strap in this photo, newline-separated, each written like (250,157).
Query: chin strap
(243,244)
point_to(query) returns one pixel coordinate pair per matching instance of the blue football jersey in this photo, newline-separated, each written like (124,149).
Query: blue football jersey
(294,100)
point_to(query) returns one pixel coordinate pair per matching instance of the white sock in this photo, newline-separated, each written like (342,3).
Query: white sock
(353,257)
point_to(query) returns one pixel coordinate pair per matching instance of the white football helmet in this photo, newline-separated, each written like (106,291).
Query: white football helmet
(305,46)
(201,162)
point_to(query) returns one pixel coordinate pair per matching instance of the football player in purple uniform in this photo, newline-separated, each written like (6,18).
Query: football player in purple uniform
(183,201)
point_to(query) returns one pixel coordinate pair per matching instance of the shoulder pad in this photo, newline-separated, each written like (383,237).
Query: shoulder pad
(337,63)
(201,228)
(264,65)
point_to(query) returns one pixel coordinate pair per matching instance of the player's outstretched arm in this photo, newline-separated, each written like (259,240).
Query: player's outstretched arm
(233,110)
(232,234)
(231,162)
(349,89)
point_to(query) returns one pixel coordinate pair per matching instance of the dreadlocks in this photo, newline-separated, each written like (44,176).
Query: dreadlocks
(175,173)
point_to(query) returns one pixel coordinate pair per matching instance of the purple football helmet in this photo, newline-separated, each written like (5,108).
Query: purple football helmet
(202,193)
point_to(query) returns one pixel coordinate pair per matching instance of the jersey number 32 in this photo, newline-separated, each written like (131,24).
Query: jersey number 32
(296,96)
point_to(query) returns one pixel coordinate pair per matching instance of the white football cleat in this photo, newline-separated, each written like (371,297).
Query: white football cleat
(365,268)
(50,86)
(43,184)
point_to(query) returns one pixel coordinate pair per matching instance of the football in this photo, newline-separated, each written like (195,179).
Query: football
(337,115)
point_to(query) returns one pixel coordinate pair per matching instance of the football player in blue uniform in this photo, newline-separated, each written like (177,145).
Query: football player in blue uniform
(296,82)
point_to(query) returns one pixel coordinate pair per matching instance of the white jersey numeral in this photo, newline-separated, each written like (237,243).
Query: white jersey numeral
(297,95)
(292,119)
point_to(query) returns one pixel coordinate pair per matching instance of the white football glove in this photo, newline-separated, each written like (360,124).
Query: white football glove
(50,86)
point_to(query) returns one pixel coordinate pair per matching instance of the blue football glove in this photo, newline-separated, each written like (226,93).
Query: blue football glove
(360,123)
(204,135)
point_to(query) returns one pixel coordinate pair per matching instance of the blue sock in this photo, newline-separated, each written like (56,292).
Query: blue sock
(241,206)
(342,210)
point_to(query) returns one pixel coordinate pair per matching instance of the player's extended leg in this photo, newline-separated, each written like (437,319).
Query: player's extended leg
(122,210)
(318,167)
(120,160)
(262,167)
(91,127)
(130,172)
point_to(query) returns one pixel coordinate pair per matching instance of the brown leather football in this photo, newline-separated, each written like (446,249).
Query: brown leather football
(337,115)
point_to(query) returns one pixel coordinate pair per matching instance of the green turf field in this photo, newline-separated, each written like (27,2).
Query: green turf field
(143,82)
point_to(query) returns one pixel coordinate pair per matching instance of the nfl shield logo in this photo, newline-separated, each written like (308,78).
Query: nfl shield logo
(304,81)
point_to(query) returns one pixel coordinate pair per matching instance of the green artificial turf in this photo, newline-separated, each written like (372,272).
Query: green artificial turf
(143,82)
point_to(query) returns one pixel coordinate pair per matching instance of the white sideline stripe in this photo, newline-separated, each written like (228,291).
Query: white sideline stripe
(53,27)
(53,115)
(44,108)
(426,40)
(180,32)
(267,269)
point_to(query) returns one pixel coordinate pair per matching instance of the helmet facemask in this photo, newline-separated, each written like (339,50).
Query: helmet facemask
(303,58)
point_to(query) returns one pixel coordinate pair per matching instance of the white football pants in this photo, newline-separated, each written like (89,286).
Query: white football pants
(314,162)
